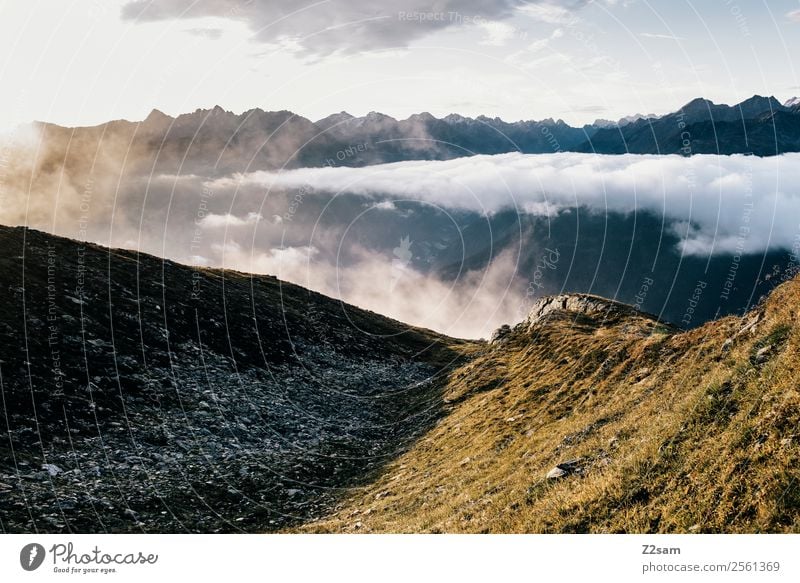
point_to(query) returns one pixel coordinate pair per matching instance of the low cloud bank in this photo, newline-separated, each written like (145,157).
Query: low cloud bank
(716,204)
(472,306)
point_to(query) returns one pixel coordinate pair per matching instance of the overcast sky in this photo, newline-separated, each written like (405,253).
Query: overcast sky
(81,62)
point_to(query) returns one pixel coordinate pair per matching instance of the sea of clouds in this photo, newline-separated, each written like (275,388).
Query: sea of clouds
(720,204)
(288,223)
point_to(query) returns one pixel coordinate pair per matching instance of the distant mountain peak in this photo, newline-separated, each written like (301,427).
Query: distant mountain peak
(698,104)
(336,117)
(374,117)
(603,123)
(761,99)
(623,121)
(424,116)
(636,117)
(456,118)
(252,112)
(759,104)
(157,115)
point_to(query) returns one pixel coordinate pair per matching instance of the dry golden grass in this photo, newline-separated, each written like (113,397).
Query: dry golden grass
(676,432)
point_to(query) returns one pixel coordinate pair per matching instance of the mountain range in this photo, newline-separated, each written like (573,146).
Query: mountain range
(216,141)
(759,125)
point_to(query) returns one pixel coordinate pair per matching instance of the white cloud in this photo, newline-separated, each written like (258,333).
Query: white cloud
(214,221)
(208,33)
(794,15)
(497,34)
(288,263)
(528,57)
(661,36)
(481,301)
(734,203)
(549,12)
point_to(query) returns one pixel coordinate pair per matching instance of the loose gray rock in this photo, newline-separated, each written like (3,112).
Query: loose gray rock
(762,355)
(52,469)
(564,469)
(501,334)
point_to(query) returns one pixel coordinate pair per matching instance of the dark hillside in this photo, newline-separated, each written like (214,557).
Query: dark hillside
(139,394)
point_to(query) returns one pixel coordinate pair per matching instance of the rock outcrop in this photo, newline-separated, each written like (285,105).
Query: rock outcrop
(585,305)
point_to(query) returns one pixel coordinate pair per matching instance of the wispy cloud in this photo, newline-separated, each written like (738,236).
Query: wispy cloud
(209,33)
(228,220)
(550,12)
(530,56)
(497,34)
(589,108)
(661,36)
(794,15)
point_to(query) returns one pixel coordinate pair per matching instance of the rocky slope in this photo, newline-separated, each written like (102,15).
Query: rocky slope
(142,395)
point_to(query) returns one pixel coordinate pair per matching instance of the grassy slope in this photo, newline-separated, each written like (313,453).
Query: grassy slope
(676,432)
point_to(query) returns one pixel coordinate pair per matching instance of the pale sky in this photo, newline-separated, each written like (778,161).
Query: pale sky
(82,62)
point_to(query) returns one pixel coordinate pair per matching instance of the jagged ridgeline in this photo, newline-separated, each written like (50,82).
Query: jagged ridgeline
(215,141)
(142,395)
